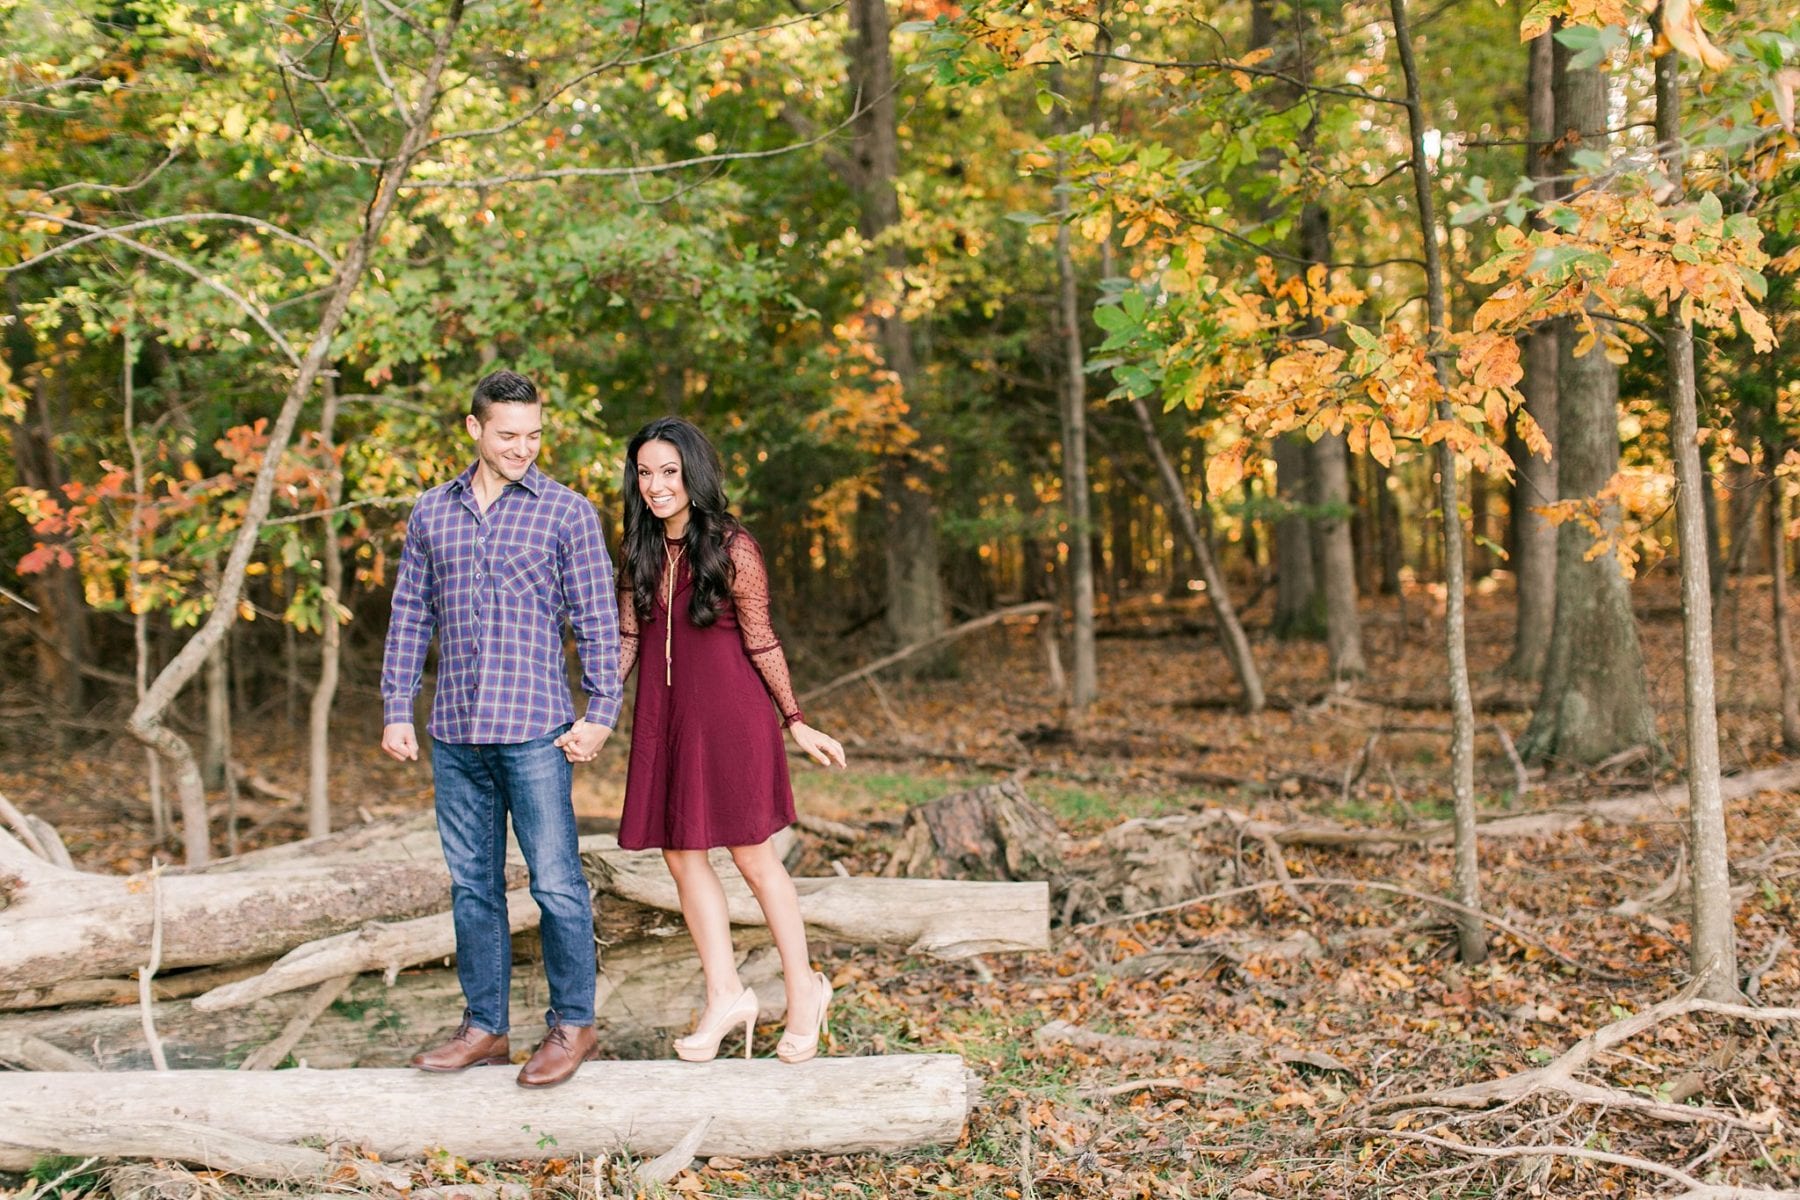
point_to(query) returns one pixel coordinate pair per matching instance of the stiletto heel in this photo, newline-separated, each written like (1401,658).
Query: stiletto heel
(702,1045)
(792,1049)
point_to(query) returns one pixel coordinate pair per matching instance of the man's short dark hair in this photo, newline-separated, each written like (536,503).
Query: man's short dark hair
(501,387)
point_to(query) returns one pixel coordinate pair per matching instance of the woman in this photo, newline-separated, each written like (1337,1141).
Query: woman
(707,763)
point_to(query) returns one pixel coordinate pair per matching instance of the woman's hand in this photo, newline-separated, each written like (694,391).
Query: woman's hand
(823,750)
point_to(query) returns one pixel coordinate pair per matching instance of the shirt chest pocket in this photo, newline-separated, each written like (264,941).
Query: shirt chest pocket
(528,573)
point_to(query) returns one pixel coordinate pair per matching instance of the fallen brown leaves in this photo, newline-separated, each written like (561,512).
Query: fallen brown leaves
(1246,1047)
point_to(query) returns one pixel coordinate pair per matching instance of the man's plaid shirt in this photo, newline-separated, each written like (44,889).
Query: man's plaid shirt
(495,588)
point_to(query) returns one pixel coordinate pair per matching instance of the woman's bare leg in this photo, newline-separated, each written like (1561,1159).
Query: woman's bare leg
(774,890)
(709,924)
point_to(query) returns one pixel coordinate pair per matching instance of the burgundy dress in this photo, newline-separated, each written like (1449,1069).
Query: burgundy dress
(708,767)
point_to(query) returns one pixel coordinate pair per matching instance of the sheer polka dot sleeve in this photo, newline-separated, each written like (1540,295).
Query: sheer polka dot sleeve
(750,595)
(628,632)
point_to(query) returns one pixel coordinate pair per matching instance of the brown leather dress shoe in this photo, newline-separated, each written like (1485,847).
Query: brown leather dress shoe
(467,1047)
(559,1056)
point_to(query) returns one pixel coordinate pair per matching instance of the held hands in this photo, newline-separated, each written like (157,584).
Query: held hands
(399,741)
(583,741)
(826,751)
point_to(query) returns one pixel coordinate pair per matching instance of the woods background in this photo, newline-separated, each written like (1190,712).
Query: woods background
(1426,357)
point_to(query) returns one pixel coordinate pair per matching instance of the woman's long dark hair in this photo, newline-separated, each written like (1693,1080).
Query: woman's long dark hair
(710,523)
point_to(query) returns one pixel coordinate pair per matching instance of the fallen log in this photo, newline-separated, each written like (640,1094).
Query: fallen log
(753,1109)
(647,988)
(60,924)
(377,946)
(943,918)
(125,991)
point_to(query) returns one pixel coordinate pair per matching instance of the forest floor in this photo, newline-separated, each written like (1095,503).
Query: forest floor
(1268,1035)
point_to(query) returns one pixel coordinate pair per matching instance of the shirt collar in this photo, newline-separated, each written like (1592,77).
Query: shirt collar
(533,480)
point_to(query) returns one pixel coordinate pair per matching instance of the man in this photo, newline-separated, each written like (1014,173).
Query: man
(493,562)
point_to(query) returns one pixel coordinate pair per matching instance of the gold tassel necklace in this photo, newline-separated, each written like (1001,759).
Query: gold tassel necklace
(669,615)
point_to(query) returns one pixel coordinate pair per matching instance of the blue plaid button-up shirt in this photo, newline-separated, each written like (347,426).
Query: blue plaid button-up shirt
(495,588)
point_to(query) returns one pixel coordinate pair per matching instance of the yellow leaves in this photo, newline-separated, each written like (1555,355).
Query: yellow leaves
(1681,25)
(1532,434)
(1381,443)
(1225,471)
(1134,233)
(1605,247)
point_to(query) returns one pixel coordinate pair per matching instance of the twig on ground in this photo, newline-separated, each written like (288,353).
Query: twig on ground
(1696,1189)
(1557,1076)
(1392,889)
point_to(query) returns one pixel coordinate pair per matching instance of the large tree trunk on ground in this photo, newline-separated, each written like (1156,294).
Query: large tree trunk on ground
(1594,701)
(754,1109)
(60,925)
(1534,538)
(1713,947)
(942,918)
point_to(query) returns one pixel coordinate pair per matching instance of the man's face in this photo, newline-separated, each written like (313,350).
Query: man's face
(508,441)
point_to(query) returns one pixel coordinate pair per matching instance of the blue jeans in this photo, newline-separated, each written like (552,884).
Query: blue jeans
(477,785)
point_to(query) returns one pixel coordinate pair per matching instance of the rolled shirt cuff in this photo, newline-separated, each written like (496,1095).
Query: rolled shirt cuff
(604,710)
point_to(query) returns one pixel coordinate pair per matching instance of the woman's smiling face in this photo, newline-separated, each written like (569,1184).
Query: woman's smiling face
(661,485)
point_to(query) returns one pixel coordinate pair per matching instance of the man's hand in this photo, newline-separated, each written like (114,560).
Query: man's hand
(399,741)
(583,741)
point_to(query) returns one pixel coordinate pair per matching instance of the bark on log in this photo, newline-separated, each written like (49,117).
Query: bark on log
(757,1109)
(946,919)
(377,946)
(178,986)
(61,925)
(648,987)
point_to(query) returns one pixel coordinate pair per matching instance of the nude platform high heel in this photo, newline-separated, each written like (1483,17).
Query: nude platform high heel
(702,1045)
(792,1049)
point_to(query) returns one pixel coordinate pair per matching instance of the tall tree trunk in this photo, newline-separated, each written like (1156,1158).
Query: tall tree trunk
(1713,949)
(915,608)
(1534,538)
(1077,488)
(1387,512)
(1594,701)
(146,720)
(1330,457)
(1784,639)
(1298,602)
(62,614)
(140,612)
(215,752)
(1471,933)
(318,717)
(1198,532)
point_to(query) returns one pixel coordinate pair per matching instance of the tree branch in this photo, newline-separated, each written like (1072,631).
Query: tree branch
(158,222)
(683,164)
(224,289)
(117,189)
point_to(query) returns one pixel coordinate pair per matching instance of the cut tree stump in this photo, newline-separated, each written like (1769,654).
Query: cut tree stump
(756,1109)
(59,925)
(992,832)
